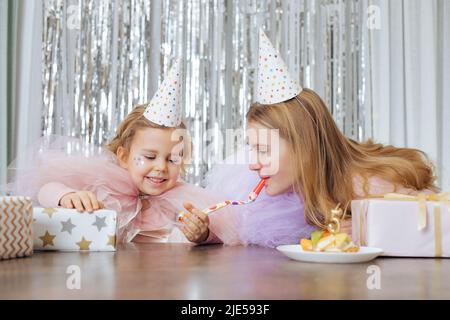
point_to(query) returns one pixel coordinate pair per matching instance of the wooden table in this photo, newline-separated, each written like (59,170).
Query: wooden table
(182,271)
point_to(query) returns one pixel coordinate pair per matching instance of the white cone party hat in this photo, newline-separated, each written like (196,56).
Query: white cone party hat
(165,107)
(274,84)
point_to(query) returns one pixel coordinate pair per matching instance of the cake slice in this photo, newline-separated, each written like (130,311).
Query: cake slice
(324,241)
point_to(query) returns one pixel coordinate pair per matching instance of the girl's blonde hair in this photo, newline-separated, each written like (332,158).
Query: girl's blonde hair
(134,122)
(325,161)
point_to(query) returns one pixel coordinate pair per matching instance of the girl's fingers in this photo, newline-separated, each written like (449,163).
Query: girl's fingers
(86,201)
(188,234)
(198,229)
(196,219)
(199,219)
(188,206)
(191,225)
(63,202)
(204,228)
(94,201)
(203,217)
(77,203)
(81,200)
(194,232)
(67,203)
(71,203)
(189,216)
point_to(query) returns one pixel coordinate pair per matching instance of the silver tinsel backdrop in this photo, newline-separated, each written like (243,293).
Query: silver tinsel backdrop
(101,58)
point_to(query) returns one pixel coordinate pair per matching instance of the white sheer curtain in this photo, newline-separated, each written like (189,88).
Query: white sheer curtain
(28,102)
(20,79)
(3,89)
(411,78)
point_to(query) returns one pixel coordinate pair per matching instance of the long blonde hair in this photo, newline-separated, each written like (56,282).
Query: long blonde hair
(325,160)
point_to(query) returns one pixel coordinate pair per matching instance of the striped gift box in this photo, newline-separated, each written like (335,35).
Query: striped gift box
(16,225)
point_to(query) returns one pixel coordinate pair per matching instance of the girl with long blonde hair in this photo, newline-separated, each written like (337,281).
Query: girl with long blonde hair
(314,160)
(327,168)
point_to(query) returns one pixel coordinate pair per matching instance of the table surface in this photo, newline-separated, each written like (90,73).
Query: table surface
(183,271)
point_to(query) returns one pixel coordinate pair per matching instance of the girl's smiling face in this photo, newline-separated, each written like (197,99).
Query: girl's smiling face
(154,160)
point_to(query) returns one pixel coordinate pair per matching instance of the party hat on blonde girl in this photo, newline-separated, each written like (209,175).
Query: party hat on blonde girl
(165,107)
(274,84)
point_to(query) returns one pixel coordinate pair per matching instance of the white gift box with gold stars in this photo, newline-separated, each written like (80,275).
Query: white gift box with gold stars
(69,230)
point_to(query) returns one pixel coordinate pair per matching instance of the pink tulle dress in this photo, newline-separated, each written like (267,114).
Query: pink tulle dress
(58,165)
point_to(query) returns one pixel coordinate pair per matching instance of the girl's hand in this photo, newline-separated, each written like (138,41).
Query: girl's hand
(195,224)
(81,200)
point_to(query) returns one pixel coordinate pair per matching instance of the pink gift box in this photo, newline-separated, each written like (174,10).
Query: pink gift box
(400,228)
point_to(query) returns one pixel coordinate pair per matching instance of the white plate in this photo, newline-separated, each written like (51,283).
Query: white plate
(296,252)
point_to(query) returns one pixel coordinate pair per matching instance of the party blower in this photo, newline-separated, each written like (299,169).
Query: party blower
(251,197)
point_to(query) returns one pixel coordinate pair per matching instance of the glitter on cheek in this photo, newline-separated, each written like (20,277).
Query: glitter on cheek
(138,161)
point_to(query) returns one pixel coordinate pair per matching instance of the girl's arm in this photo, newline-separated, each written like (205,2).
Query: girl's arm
(51,193)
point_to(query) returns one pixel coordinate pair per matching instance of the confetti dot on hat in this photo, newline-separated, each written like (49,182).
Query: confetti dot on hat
(272,67)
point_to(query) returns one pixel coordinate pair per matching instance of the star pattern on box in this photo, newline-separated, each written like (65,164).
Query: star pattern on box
(84,244)
(111,240)
(274,83)
(165,107)
(68,230)
(67,226)
(47,239)
(49,212)
(99,223)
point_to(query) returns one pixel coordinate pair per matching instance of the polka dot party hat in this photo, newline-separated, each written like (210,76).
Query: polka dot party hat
(165,107)
(274,84)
